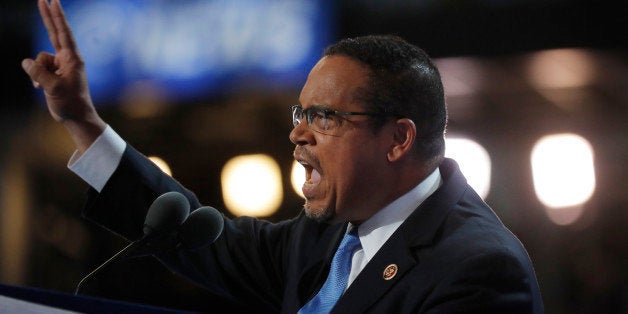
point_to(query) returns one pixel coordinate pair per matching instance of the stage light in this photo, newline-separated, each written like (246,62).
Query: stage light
(474,162)
(563,175)
(297,178)
(561,68)
(251,185)
(162,164)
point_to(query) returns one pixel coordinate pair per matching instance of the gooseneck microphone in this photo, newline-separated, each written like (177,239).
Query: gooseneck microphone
(164,218)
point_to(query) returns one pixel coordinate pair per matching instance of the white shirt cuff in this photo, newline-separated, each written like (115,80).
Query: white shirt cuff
(97,164)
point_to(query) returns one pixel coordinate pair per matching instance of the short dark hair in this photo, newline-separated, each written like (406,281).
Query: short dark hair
(403,82)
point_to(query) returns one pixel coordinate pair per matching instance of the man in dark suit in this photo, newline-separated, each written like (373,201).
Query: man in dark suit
(369,130)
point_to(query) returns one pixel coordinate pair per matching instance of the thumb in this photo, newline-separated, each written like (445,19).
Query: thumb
(27,65)
(39,74)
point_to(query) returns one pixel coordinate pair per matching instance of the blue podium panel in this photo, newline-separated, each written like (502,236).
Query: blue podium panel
(28,300)
(11,305)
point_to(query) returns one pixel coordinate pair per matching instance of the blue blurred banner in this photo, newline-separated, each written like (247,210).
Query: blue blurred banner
(192,49)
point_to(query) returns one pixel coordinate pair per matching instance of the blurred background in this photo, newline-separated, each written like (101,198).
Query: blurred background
(537,93)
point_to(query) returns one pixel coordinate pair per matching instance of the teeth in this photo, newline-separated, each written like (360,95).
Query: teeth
(308,172)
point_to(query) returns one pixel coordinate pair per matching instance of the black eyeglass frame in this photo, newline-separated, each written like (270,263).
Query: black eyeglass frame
(326,113)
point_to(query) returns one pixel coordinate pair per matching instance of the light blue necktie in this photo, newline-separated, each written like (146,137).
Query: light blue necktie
(338,277)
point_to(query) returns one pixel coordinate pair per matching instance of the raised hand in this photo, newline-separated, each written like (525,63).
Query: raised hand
(62,77)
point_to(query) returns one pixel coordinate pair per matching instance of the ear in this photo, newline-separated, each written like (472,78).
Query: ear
(403,139)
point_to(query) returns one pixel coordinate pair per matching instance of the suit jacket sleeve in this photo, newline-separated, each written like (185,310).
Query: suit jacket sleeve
(220,268)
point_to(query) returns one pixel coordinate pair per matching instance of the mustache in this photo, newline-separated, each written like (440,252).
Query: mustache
(304,154)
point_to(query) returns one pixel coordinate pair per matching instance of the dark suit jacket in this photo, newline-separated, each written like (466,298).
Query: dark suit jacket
(453,254)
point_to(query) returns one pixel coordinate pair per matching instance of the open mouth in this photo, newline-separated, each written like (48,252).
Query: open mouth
(312,179)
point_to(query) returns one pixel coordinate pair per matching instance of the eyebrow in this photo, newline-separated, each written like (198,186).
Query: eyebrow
(321,107)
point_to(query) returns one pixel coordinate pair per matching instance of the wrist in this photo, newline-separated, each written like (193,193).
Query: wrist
(85,131)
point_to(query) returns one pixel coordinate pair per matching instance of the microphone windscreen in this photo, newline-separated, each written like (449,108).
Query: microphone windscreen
(166,213)
(201,228)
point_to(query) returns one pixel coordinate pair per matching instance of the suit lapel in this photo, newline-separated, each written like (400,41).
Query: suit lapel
(421,227)
(400,253)
(388,266)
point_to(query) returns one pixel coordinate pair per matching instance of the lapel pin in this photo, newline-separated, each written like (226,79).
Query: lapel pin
(390,271)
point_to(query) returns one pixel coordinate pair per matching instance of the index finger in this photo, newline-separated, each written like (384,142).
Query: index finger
(44,11)
(57,25)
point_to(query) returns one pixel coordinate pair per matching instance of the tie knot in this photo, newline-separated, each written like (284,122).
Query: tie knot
(350,242)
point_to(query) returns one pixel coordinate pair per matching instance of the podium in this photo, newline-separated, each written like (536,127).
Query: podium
(27,300)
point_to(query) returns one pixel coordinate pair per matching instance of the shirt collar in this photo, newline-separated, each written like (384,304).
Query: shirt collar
(376,230)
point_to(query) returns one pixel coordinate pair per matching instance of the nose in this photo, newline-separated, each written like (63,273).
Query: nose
(301,134)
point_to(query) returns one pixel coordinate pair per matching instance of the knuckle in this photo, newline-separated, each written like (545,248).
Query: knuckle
(42,56)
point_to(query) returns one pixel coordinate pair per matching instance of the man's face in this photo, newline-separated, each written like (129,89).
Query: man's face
(342,170)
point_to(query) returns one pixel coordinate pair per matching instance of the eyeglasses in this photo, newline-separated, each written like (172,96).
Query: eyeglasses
(325,121)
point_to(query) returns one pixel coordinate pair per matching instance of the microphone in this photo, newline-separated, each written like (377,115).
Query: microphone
(167,212)
(201,228)
(165,215)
